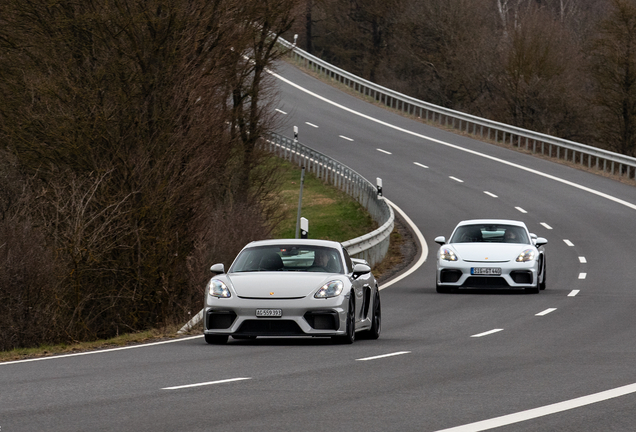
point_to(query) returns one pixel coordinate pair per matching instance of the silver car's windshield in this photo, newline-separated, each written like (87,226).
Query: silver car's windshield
(288,258)
(490,233)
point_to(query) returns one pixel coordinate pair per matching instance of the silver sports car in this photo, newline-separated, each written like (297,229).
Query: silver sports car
(292,288)
(491,254)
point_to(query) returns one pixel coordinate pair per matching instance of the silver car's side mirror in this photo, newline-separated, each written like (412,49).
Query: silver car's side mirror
(360,269)
(217,268)
(441,240)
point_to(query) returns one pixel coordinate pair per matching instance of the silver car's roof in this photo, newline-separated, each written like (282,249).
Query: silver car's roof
(309,242)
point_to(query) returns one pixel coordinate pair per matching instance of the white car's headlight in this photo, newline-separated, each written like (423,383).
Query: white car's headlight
(218,289)
(526,255)
(330,289)
(447,254)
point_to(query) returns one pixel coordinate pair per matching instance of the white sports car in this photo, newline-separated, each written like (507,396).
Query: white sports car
(292,288)
(491,254)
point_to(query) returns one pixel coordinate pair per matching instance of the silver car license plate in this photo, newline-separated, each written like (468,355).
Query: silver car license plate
(269,312)
(485,271)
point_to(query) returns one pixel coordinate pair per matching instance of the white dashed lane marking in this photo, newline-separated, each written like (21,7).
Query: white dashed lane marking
(205,383)
(486,333)
(384,356)
(545,312)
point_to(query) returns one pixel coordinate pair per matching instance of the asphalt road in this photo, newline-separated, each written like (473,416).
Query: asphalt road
(562,360)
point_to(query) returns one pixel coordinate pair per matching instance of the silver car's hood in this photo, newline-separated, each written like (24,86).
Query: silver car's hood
(273,285)
(489,252)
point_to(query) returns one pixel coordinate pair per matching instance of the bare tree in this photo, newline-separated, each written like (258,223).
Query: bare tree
(613,68)
(139,116)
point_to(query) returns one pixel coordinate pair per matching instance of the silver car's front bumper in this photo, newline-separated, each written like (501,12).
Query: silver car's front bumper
(300,317)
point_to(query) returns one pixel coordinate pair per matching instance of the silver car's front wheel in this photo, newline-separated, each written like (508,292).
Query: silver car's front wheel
(351,325)
(216,339)
(376,323)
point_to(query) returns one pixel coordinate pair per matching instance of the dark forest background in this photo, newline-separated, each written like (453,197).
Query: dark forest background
(562,67)
(129,129)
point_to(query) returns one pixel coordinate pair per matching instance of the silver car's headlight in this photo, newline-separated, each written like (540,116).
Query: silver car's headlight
(330,289)
(526,255)
(447,255)
(218,289)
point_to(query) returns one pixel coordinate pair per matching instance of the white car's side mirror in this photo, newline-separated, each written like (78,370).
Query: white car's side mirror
(440,240)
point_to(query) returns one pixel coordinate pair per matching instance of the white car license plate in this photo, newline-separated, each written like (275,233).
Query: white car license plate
(485,271)
(269,312)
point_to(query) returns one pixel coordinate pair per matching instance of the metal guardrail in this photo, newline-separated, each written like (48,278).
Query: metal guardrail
(372,246)
(577,153)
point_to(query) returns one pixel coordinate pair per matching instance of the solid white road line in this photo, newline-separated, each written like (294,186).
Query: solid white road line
(573,293)
(544,411)
(101,351)
(456,179)
(521,210)
(491,194)
(345,138)
(456,147)
(568,242)
(384,151)
(384,356)
(420,165)
(545,312)
(205,383)
(546,226)
(487,333)
(420,240)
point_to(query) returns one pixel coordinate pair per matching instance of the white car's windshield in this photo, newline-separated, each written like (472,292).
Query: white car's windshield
(288,258)
(490,233)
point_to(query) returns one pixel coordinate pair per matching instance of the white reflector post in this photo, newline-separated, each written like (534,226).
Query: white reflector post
(304,228)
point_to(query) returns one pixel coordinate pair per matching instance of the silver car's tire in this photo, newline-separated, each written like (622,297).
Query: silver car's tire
(376,320)
(348,338)
(216,339)
(442,290)
(542,285)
